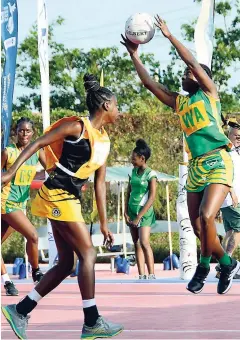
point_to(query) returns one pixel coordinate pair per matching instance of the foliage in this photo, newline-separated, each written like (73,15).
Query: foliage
(67,68)
(226,51)
(14,247)
(166,152)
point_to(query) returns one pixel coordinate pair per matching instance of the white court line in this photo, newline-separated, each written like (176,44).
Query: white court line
(138,330)
(99,296)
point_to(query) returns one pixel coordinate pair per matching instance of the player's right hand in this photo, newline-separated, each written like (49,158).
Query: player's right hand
(130,46)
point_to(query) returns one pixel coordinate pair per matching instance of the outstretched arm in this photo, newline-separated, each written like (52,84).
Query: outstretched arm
(66,129)
(160,91)
(205,82)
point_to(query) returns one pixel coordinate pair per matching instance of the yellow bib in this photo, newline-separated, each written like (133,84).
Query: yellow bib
(25,175)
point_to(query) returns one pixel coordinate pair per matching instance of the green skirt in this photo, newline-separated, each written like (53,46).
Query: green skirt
(147,220)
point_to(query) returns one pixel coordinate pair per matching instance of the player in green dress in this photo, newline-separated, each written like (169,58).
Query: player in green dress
(139,213)
(210,172)
(14,197)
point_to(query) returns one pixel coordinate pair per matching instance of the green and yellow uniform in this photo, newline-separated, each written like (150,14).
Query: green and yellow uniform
(139,196)
(70,163)
(206,143)
(16,193)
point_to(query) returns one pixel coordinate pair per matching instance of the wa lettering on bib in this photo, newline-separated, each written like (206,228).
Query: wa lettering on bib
(194,117)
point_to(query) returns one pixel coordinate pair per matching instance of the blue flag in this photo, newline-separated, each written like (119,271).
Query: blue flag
(9,16)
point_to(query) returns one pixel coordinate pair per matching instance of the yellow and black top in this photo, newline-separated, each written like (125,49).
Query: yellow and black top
(70,163)
(74,161)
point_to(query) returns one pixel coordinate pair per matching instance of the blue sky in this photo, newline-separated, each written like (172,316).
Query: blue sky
(97,23)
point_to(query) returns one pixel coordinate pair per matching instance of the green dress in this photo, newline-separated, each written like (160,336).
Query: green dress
(139,196)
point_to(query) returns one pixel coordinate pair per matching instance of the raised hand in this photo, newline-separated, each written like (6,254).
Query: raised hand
(130,46)
(160,23)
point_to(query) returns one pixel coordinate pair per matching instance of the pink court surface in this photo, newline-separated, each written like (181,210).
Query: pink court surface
(160,309)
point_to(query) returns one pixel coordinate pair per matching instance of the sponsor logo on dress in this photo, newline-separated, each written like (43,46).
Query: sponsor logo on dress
(56,212)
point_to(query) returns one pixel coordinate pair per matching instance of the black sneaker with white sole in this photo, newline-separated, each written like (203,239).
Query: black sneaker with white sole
(10,288)
(226,276)
(199,278)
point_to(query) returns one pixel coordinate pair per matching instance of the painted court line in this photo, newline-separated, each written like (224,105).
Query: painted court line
(138,330)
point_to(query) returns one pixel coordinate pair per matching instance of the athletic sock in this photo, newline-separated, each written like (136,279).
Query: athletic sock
(6,278)
(25,306)
(90,312)
(205,261)
(225,260)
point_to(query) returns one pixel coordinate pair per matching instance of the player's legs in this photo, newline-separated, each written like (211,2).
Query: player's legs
(140,259)
(144,237)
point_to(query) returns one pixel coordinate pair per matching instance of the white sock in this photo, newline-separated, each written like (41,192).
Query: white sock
(34,295)
(88,303)
(5,278)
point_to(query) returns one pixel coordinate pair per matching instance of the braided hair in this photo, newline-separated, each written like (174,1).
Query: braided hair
(142,149)
(24,120)
(96,94)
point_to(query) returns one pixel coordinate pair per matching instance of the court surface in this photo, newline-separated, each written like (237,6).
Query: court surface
(161,309)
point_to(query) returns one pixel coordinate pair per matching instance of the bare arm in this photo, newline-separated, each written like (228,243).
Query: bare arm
(42,158)
(160,91)
(126,204)
(205,82)
(128,196)
(151,198)
(66,129)
(4,158)
(100,193)
(234,198)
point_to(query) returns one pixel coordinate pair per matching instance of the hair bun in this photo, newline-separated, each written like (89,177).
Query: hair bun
(140,143)
(91,83)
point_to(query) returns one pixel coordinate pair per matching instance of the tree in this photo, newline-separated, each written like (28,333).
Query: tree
(226,53)
(67,68)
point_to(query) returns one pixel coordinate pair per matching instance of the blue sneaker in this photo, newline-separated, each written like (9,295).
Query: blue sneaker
(17,321)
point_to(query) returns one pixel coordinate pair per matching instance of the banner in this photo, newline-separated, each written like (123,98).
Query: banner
(9,17)
(204,33)
(94,203)
(43,61)
(187,238)
(45,97)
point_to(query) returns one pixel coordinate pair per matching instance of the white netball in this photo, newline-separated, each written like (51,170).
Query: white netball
(139,28)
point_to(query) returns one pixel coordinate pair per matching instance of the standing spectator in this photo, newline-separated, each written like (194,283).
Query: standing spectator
(231,206)
(139,212)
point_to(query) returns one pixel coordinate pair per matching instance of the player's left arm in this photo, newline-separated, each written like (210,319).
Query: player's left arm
(100,193)
(205,82)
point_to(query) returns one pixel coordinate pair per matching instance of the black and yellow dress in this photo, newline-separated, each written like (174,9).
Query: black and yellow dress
(69,164)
